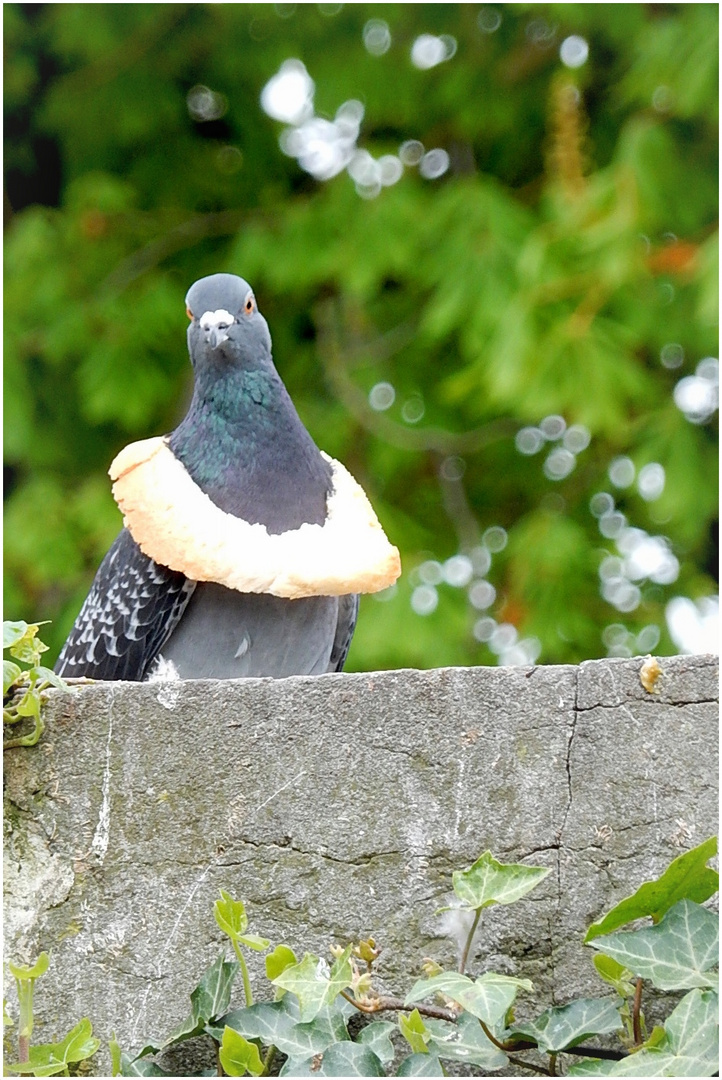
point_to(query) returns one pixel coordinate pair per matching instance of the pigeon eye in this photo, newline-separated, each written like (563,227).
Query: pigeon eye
(189,313)
(250,305)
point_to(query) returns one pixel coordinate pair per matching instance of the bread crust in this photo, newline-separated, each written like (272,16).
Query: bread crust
(175,523)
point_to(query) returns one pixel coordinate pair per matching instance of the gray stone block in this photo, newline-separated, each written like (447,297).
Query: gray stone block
(337,807)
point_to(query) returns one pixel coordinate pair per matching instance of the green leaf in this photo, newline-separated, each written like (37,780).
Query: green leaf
(277,1023)
(48,1059)
(116,1056)
(465,1041)
(689,1046)
(686,878)
(13,632)
(140,1066)
(254,941)
(20,971)
(675,954)
(27,648)
(415,1032)
(491,882)
(488,998)
(314,984)
(615,974)
(11,672)
(568,1025)
(341,1059)
(238,1056)
(230,915)
(376,1037)
(420,1065)
(209,1000)
(277,961)
(45,674)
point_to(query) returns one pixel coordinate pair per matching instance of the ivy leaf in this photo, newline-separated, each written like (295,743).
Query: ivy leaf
(13,632)
(615,974)
(675,954)
(568,1025)
(420,1065)
(490,882)
(686,878)
(488,998)
(209,1000)
(314,984)
(26,647)
(464,1041)
(689,1045)
(277,1023)
(238,1056)
(22,971)
(341,1059)
(48,1059)
(277,962)
(45,674)
(376,1036)
(415,1032)
(231,917)
(11,673)
(140,1066)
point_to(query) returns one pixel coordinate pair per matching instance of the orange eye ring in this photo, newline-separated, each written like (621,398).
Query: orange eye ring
(189,313)
(250,305)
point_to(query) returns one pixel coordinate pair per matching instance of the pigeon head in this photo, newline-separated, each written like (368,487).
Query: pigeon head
(226,326)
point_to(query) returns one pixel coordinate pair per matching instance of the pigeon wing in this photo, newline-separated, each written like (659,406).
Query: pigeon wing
(347,616)
(133,605)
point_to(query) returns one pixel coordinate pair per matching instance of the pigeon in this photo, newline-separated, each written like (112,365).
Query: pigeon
(244,547)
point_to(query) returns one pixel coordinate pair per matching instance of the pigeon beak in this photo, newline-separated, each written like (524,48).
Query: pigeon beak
(215,325)
(216,336)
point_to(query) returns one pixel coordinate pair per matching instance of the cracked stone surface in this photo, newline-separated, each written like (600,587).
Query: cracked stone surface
(337,807)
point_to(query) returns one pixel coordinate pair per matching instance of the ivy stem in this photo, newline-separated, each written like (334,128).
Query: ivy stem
(553,1065)
(389,1004)
(268,1060)
(467,946)
(636,1009)
(244,972)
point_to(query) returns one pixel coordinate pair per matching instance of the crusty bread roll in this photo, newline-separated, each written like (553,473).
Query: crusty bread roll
(176,523)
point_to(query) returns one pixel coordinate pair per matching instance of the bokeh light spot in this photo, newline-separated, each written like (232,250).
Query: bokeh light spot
(424,599)
(482,595)
(288,95)
(651,480)
(488,20)
(672,355)
(411,152)
(622,472)
(495,539)
(529,440)
(559,463)
(434,164)
(377,37)
(428,50)
(458,571)
(382,396)
(205,104)
(574,51)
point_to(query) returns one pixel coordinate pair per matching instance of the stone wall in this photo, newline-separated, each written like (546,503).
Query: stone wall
(337,808)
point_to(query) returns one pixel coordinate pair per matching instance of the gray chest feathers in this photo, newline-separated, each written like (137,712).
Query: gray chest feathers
(225,634)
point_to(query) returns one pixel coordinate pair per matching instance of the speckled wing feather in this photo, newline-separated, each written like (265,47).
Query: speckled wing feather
(347,616)
(132,607)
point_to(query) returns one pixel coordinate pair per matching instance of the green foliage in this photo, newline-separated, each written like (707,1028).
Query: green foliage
(687,876)
(491,882)
(45,1059)
(23,685)
(448,1017)
(571,241)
